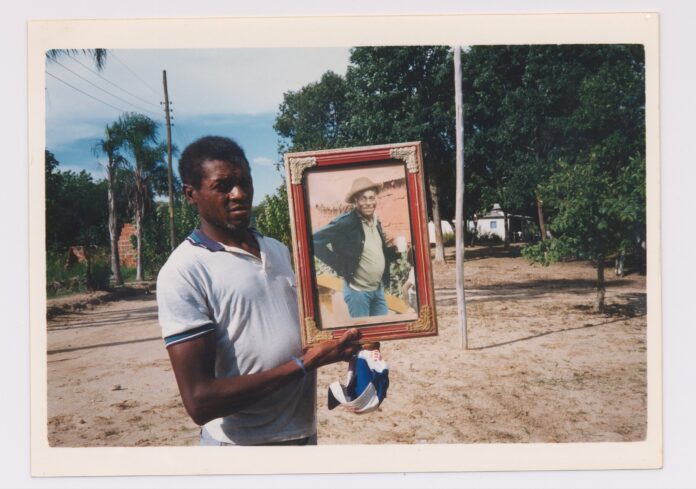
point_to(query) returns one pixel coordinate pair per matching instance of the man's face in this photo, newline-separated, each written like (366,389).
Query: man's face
(366,202)
(225,195)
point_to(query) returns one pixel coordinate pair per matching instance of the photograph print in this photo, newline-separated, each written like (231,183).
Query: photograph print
(367,260)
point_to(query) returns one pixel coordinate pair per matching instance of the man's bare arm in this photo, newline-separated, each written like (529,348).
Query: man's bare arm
(206,397)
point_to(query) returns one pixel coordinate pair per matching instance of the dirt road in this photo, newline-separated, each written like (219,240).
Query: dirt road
(541,367)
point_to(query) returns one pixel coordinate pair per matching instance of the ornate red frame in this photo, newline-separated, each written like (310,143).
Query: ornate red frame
(296,165)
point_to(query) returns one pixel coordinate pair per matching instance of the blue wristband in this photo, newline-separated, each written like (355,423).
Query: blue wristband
(300,364)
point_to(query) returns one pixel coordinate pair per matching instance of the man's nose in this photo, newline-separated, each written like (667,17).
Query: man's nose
(238,192)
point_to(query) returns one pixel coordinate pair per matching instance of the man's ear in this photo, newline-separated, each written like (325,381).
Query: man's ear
(189,194)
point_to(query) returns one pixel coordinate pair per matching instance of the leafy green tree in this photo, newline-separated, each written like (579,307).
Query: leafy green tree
(111,146)
(71,216)
(272,216)
(597,215)
(522,105)
(313,117)
(156,245)
(598,188)
(149,170)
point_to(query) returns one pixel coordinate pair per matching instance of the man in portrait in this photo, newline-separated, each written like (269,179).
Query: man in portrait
(355,247)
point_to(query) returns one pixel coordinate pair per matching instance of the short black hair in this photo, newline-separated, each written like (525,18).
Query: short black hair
(205,149)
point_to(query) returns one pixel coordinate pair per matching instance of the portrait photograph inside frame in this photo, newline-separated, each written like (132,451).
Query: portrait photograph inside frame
(346,150)
(367,263)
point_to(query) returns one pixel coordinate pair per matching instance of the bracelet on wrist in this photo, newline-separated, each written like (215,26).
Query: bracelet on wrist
(300,364)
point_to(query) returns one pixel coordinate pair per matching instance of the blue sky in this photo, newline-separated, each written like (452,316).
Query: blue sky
(230,92)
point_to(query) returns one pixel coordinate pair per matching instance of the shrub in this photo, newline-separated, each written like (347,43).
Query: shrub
(77,277)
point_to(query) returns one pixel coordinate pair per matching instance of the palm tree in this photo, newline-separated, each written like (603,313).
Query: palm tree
(97,55)
(110,146)
(140,137)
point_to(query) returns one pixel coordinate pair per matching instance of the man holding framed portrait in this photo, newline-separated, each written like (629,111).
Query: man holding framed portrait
(227,307)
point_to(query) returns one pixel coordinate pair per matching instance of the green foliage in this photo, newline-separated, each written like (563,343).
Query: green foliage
(156,246)
(272,216)
(526,107)
(313,117)
(128,274)
(597,215)
(448,239)
(597,190)
(77,277)
(398,273)
(76,211)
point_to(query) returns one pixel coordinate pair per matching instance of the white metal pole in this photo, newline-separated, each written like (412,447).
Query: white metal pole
(459,203)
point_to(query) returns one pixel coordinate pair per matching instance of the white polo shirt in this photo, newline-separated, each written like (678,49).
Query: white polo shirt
(250,305)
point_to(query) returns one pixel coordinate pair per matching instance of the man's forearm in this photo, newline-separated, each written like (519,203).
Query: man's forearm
(207,397)
(220,397)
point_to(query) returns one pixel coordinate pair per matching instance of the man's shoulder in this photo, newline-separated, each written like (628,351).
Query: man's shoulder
(345,218)
(186,256)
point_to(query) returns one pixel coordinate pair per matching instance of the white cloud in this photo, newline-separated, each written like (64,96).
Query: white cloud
(263,161)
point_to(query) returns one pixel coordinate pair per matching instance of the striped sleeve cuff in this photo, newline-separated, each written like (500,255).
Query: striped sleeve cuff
(188,335)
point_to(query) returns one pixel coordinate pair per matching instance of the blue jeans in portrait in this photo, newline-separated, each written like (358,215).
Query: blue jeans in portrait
(361,304)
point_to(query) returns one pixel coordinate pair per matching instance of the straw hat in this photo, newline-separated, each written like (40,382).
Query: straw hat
(361,184)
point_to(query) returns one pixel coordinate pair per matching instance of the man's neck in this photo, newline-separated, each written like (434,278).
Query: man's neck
(369,219)
(242,238)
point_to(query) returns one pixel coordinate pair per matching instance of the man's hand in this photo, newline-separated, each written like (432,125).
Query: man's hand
(332,351)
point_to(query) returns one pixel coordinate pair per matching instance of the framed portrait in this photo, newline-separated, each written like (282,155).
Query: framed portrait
(360,242)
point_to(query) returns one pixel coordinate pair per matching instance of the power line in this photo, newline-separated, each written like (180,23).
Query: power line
(134,73)
(104,90)
(85,93)
(110,82)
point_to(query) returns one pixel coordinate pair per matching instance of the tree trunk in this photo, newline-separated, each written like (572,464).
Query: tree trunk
(139,244)
(601,290)
(113,229)
(506,226)
(139,211)
(540,213)
(439,247)
(619,268)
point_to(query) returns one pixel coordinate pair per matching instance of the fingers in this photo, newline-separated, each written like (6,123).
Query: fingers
(351,335)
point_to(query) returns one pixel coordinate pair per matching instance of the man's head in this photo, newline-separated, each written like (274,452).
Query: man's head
(217,181)
(363,195)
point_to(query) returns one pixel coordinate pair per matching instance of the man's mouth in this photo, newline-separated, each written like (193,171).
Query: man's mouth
(239,211)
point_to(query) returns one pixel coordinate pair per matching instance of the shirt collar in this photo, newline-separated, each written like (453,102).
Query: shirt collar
(198,238)
(372,223)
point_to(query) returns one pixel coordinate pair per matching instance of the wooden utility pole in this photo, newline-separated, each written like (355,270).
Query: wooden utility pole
(459,202)
(172,237)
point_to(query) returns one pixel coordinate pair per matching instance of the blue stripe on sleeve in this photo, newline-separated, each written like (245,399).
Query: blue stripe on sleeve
(188,335)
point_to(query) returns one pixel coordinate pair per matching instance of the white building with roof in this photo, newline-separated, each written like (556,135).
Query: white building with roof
(493,224)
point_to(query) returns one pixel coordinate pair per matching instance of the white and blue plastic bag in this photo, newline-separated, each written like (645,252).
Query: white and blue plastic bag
(366,384)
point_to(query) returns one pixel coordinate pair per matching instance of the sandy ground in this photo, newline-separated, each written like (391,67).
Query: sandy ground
(541,367)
